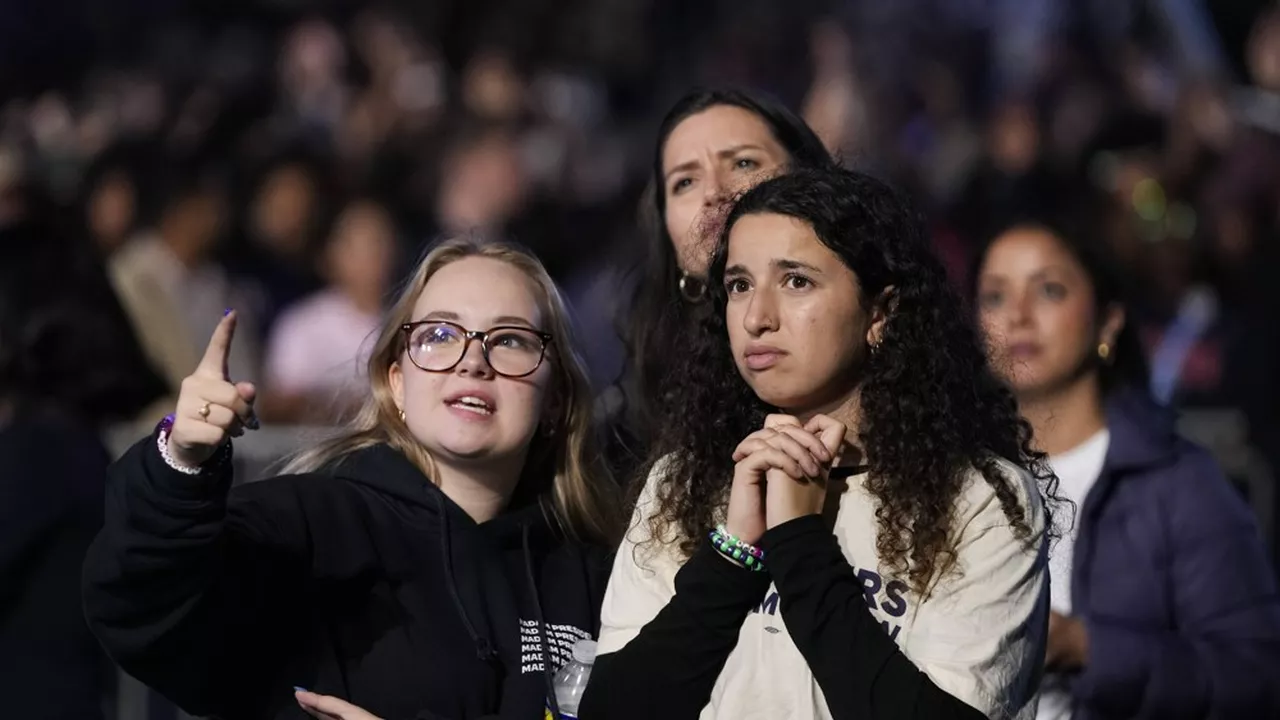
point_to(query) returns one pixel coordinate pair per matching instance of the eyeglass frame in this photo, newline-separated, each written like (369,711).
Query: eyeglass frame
(483,336)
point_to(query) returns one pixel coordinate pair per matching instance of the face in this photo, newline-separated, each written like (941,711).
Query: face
(283,209)
(796,325)
(1037,309)
(708,158)
(361,254)
(470,414)
(111,210)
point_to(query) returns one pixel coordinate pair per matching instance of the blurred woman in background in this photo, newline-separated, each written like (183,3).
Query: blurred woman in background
(69,365)
(1164,604)
(712,144)
(318,346)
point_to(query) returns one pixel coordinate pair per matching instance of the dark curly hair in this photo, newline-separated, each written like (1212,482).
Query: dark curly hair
(931,409)
(657,305)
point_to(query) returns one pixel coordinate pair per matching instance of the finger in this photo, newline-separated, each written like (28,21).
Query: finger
(249,393)
(310,702)
(775,459)
(810,441)
(214,362)
(332,706)
(829,430)
(751,444)
(801,454)
(777,421)
(220,417)
(201,390)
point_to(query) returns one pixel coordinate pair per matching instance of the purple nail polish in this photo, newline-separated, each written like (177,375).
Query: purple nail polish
(227,312)
(299,689)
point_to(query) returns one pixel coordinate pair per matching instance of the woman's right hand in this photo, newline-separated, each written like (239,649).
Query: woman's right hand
(781,446)
(211,408)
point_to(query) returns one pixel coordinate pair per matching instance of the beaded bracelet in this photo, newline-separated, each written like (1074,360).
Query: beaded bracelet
(744,554)
(164,428)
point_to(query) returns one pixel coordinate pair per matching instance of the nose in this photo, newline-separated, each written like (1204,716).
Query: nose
(473,362)
(761,316)
(715,191)
(1020,311)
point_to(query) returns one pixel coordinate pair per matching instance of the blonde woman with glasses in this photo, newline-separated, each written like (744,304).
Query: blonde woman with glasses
(437,559)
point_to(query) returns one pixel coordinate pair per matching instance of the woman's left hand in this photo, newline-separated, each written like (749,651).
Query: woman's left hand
(787,498)
(328,707)
(1067,647)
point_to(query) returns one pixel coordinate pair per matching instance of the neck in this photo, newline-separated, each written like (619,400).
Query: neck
(847,411)
(482,492)
(366,301)
(1063,419)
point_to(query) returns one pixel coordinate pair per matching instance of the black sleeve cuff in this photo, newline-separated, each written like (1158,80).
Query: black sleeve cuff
(179,489)
(734,581)
(806,536)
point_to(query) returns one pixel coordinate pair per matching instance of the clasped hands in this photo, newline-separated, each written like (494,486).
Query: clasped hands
(781,473)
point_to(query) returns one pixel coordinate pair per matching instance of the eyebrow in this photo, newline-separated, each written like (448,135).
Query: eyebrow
(725,153)
(778,263)
(500,320)
(1040,274)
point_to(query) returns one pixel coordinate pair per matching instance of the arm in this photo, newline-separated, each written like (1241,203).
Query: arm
(1223,660)
(860,669)
(191,592)
(681,650)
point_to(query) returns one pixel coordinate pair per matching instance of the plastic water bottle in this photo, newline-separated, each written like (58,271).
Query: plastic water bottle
(571,681)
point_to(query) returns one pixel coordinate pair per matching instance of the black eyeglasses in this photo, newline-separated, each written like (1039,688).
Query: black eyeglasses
(512,351)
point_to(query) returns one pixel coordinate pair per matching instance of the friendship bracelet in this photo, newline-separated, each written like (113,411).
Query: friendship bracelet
(744,554)
(164,428)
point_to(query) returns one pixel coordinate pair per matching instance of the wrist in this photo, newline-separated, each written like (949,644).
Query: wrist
(736,550)
(176,459)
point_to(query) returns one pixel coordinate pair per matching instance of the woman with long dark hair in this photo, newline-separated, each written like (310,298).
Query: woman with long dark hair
(712,143)
(844,519)
(1163,603)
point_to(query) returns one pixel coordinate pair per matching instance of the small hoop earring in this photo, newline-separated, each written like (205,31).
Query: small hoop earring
(1104,351)
(692,289)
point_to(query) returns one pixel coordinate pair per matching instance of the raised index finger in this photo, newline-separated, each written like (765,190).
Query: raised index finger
(214,362)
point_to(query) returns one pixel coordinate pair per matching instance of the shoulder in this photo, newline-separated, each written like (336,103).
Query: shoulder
(979,507)
(308,315)
(299,489)
(1193,492)
(639,530)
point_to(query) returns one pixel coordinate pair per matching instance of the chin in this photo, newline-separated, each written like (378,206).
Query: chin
(781,396)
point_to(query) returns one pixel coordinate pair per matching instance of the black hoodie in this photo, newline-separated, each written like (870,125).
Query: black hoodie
(365,582)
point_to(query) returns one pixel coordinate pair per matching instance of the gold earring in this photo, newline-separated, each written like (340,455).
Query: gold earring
(402,416)
(1104,351)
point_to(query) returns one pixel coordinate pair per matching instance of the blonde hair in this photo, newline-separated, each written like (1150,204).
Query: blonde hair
(583,497)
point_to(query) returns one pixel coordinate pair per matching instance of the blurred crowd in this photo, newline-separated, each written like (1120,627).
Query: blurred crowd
(290,159)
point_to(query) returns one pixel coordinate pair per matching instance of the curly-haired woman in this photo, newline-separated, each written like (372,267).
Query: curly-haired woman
(847,520)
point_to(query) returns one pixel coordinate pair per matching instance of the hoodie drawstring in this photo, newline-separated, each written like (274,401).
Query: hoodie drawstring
(547,675)
(484,649)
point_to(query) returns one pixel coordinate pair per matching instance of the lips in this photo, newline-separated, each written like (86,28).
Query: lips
(762,357)
(1023,350)
(473,402)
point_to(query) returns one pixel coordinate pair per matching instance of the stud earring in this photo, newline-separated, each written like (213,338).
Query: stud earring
(1104,351)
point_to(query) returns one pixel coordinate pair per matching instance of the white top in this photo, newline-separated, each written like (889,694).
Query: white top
(980,636)
(320,345)
(1077,470)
